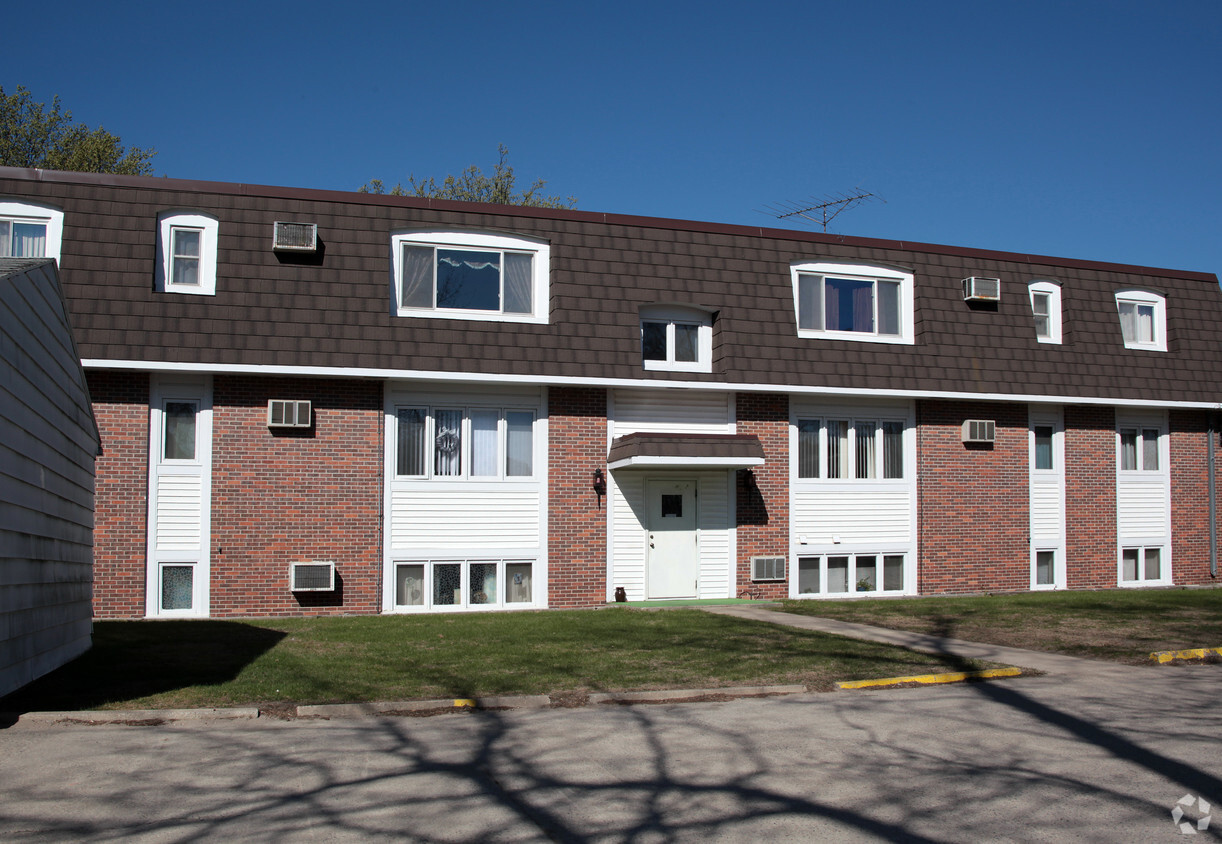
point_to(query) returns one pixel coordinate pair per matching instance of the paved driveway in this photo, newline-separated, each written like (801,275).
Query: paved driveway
(1098,757)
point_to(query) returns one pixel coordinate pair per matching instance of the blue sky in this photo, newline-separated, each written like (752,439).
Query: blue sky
(1074,129)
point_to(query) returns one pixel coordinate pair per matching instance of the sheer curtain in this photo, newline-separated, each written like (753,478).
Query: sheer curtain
(483,442)
(518,283)
(447,442)
(417,277)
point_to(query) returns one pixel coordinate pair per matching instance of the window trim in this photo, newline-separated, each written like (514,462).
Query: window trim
(1164,565)
(681,315)
(209,228)
(466,442)
(822,558)
(1053,291)
(445,239)
(1145,297)
(856,272)
(879,421)
(1141,426)
(428,587)
(32,212)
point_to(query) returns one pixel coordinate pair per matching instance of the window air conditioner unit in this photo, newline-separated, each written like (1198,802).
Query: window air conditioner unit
(979,431)
(312,577)
(285,413)
(295,237)
(767,568)
(977,289)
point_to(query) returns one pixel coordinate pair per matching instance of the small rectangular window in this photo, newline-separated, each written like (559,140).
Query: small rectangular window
(185,256)
(1044,562)
(687,342)
(411,442)
(177,587)
(1149,449)
(1139,450)
(893,449)
(837,449)
(653,340)
(484,441)
(518,586)
(837,574)
(808,448)
(893,572)
(1128,449)
(1043,447)
(409,585)
(808,575)
(179,430)
(519,443)
(867,464)
(447,443)
(1040,308)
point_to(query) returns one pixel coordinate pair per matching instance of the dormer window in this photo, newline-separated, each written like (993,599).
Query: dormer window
(30,231)
(186,253)
(1046,310)
(853,302)
(1143,319)
(677,339)
(469,275)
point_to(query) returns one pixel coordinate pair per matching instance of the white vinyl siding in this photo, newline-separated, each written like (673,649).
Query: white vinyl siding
(1143,494)
(481,504)
(669,412)
(1046,471)
(179,505)
(715,541)
(852,488)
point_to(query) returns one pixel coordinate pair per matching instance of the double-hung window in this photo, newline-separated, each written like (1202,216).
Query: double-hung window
(851,449)
(1143,319)
(1139,449)
(468,275)
(186,253)
(464,443)
(1046,310)
(679,339)
(30,231)
(853,302)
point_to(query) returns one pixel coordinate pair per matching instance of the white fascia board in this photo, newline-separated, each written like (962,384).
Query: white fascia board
(643,462)
(620,383)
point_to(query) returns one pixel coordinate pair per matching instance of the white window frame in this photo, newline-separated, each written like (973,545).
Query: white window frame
(857,272)
(541,269)
(466,443)
(1142,427)
(1139,298)
(1053,292)
(853,420)
(209,228)
(852,591)
(12,211)
(672,316)
(464,605)
(1164,565)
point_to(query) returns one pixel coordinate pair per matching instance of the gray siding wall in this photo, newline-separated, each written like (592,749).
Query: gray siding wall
(48,442)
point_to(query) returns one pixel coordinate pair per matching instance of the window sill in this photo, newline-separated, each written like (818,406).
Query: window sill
(481,316)
(854,336)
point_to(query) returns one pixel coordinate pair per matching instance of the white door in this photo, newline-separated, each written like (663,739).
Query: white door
(672,562)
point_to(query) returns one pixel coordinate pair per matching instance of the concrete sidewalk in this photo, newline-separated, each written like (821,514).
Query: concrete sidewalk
(1049,663)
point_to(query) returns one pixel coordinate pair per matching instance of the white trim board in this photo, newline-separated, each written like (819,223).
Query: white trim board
(561,381)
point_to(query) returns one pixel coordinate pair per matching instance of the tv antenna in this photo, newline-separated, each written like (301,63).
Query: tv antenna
(820,210)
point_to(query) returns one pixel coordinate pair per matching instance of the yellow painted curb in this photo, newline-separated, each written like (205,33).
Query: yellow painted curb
(1194,653)
(952,677)
(464,702)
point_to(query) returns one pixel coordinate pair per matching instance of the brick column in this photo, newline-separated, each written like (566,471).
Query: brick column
(295,495)
(1090,497)
(762,503)
(973,500)
(120,528)
(577,518)
(1190,495)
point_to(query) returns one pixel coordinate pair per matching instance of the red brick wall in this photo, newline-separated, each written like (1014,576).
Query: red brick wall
(1190,495)
(763,496)
(120,533)
(1090,497)
(973,503)
(577,518)
(296,495)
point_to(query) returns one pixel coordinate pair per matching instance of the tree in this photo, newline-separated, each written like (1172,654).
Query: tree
(31,136)
(473,186)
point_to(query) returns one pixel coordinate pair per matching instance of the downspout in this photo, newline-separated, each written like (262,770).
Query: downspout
(1213,500)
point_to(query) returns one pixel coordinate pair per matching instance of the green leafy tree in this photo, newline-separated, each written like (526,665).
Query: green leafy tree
(32,136)
(473,186)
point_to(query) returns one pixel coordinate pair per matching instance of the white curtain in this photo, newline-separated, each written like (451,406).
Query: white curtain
(519,439)
(518,283)
(866,450)
(29,240)
(417,277)
(483,442)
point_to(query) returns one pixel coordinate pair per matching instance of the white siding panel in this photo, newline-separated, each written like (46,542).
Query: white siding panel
(862,514)
(1142,510)
(1045,512)
(179,513)
(714,510)
(670,411)
(465,520)
(628,509)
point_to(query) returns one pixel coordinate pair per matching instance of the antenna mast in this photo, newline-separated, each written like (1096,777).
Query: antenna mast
(820,212)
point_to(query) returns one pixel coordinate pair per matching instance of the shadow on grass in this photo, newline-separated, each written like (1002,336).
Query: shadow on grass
(132,659)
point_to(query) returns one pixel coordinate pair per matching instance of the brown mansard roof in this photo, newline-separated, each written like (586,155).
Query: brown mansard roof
(338,313)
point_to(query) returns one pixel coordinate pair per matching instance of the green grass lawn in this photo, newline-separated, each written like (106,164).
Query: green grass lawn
(171,664)
(1125,625)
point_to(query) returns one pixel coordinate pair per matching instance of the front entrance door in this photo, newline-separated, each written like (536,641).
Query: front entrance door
(673,564)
